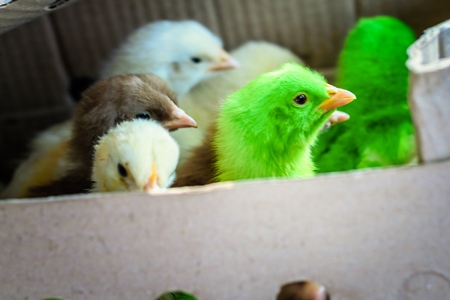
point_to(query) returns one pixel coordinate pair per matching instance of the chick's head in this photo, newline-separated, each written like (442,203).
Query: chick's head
(290,102)
(137,155)
(197,54)
(126,97)
(183,53)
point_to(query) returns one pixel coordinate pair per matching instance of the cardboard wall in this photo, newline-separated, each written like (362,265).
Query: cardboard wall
(33,85)
(364,235)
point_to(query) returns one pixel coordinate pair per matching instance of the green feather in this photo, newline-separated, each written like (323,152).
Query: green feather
(380,131)
(262,133)
(176,295)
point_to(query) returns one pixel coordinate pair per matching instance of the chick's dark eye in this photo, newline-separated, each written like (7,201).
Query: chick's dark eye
(300,99)
(196,60)
(122,171)
(144,115)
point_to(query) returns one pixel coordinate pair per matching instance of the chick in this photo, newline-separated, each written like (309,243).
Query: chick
(138,155)
(303,290)
(182,53)
(205,98)
(255,57)
(104,105)
(383,132)
(266,129)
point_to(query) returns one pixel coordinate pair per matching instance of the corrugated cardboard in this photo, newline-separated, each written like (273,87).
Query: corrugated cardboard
(33,88)
(14,13)
(377,234)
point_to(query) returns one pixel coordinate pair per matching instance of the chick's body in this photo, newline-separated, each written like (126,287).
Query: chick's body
(372,65)
(266,129)
(138,155)
(203,101)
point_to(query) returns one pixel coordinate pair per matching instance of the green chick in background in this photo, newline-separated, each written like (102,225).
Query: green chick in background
(266,129)
(176,295)
(380,132)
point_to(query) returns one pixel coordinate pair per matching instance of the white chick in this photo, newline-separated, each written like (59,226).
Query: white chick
(205,98)
(137,155)
(182,53)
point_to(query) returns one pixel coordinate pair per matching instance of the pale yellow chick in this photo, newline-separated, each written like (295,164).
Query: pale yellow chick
(138,155)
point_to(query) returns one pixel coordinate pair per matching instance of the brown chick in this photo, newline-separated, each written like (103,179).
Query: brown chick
(104,105)
(303,290)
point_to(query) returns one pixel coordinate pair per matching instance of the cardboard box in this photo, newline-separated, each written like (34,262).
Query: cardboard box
(375,234)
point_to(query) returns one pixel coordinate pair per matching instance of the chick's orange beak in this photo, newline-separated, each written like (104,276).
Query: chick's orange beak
(179,120)
(226,62)
(152,183)
(338,98)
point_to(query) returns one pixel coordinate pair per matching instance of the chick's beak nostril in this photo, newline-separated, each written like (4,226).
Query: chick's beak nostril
(338,97)
(180,120)
(331,90)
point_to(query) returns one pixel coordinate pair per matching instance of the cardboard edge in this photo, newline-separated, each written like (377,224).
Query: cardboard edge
(220,186)
(418,62)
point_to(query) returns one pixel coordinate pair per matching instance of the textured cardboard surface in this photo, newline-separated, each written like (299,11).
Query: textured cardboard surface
(418,14)
(312,29)
(14,13)
(365,235)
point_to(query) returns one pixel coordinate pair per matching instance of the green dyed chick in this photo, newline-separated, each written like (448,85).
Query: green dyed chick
(176,295)
(266,129)
(380,132)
